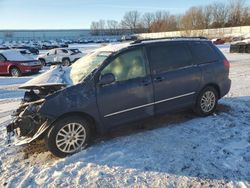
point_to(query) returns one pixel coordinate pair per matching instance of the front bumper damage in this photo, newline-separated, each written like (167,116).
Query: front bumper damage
(27,124)
(21,140)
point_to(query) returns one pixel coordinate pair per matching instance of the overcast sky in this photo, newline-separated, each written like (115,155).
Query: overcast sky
(78,14)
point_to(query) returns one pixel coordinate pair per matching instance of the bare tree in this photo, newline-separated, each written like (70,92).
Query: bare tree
(208,16)
(235,14)
(131,20)
(215,15)
(98,28)
(163,21)
(246,16)
(220,15)
(112,27)
(94,28)
(147,20)
(193,19)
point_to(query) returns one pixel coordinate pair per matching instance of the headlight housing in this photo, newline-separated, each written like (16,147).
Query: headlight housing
(25,64)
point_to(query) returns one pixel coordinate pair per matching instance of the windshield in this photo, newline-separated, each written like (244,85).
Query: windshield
(84,66)
(75,50)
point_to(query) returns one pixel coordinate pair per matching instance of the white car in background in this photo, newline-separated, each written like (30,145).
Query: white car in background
(64,56)
(26,53)
(242,42)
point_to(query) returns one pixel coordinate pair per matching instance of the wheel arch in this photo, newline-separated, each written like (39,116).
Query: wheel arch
(215,86)
(64,58)
(88,117)
(13,66)
(43,59)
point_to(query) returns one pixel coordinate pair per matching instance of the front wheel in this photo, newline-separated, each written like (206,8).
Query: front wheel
(68,136)
(207,101)
(43,62)
(15,72)
(66,62)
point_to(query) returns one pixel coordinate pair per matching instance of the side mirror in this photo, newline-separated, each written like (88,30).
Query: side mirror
(107,79)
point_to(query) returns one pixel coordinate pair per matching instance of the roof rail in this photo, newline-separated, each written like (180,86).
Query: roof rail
(152,39)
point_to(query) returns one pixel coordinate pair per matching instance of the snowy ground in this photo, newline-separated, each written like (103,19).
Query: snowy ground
(180,150)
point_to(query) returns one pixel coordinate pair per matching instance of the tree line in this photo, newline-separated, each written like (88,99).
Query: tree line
(215,15)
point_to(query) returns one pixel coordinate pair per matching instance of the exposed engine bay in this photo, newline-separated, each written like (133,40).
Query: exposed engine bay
(28,123)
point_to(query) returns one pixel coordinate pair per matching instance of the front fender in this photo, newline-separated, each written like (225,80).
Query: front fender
(78,98)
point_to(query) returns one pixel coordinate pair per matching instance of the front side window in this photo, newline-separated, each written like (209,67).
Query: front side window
(127,66)
(62,51)
(168,57)
(2,58)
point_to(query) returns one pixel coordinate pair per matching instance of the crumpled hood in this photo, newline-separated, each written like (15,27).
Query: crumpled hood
(56,77)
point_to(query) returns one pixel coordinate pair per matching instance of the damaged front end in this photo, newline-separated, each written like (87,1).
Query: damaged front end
(28,123)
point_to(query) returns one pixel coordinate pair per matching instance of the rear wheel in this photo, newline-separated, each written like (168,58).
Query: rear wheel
(15,72)
(43,62)
(207,101)
(68,136)
(66,62)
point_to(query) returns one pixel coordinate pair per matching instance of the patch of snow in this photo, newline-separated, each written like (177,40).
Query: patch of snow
(53,76)
(113,47)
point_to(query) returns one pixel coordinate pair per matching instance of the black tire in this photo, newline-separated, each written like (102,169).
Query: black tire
(242,48)
(54,140)
(15,72)
(248,48)
(66,62)
(234,48)
(203,107)
(43,62)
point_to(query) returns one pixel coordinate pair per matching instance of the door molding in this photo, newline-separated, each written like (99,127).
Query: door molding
(149,104)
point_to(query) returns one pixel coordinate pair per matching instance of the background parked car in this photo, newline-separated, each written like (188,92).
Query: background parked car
(14,63)
(218,41)
(32,50)
(242,46)
(25,53)
(61,56)
(4,48)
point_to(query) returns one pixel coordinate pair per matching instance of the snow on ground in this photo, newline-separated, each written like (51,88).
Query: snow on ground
(9,85)
(179,150)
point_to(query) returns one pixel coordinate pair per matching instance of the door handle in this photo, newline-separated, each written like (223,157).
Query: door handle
(158,79)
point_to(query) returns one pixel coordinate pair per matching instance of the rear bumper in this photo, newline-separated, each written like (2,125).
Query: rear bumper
(225,87)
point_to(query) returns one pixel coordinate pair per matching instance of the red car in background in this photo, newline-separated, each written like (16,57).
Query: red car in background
(218,41)
(15,64)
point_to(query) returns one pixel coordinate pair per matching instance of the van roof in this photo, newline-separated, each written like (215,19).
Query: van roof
(153,40)
(120,46)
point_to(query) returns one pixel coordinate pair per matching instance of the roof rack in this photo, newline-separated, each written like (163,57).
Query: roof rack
(152,39)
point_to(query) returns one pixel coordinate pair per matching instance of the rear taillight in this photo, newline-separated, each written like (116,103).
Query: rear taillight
(226,63)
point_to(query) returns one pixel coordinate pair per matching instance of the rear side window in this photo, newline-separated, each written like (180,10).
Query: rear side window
(203,53)
(167,57)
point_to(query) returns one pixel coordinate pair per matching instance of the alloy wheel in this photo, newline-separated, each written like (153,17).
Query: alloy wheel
(71,137)
(208,101)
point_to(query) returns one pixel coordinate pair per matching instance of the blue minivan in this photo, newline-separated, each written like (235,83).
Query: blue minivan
(118,84)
